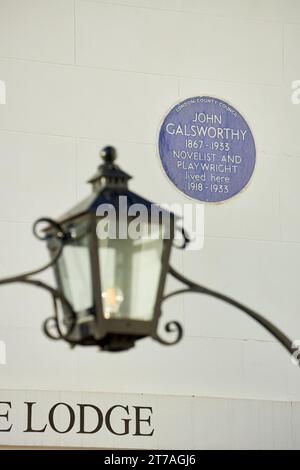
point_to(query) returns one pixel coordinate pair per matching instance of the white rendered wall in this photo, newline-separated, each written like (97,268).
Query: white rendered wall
(83,74)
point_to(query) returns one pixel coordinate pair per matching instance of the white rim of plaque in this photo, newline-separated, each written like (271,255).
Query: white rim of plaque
(197,201)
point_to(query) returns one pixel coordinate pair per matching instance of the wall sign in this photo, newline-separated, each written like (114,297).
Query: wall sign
(207,149)
(50,418)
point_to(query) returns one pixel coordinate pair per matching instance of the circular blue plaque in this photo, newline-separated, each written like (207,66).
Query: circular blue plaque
(207,149)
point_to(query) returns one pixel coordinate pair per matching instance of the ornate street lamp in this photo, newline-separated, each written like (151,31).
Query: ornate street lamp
(111,278)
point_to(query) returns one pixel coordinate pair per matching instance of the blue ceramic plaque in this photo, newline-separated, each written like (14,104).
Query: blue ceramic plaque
(207,149)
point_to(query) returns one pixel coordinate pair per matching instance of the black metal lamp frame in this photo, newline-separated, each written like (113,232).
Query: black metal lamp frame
(108,184)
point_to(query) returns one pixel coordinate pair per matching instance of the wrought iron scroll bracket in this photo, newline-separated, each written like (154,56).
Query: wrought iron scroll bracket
(57,233)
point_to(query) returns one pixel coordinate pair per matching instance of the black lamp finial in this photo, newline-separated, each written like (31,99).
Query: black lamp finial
(108,154)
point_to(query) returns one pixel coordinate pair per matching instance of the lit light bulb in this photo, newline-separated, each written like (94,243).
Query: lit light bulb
(112,300)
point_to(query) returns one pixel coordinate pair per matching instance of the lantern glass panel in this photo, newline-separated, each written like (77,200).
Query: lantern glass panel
(74,270)
(130,273)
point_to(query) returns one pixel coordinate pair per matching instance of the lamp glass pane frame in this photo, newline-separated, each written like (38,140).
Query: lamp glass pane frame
(133,326)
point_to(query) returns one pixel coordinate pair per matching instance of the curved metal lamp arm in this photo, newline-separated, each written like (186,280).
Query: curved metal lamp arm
(286,342)
(60,236)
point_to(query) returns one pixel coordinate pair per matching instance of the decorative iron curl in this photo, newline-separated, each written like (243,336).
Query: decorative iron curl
(60,236)
(185,239)
(170,327)
(56,322)
(60,233)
